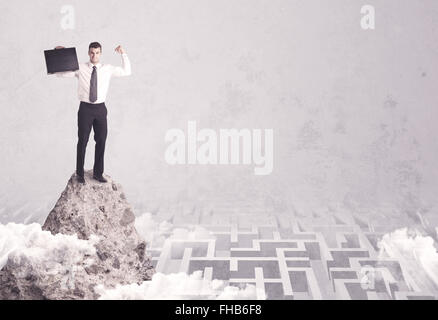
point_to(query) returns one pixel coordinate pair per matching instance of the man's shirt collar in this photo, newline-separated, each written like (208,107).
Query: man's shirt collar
(91,65)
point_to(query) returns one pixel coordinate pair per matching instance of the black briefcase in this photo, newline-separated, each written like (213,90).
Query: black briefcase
(60,60)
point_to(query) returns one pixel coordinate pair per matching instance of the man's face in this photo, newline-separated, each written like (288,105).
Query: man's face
(94,54)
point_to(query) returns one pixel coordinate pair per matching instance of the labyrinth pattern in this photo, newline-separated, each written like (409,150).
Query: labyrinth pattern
(291,256)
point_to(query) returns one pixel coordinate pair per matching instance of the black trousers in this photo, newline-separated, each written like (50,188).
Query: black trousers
(91,115)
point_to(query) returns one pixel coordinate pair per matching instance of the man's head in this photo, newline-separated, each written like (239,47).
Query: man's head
(94,51)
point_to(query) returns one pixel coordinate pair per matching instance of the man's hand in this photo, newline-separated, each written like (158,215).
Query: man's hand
(59,47)
(120,50)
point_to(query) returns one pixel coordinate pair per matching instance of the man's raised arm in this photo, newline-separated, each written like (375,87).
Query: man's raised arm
(66,74)
(125,69)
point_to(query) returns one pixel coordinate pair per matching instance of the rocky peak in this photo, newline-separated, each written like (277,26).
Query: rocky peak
(96,212)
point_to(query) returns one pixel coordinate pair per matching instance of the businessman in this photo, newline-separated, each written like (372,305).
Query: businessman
(93,83)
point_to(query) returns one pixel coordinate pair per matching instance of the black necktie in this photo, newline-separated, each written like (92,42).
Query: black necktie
(93,85)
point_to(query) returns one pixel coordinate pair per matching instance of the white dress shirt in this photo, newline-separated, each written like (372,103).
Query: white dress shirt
(104,74)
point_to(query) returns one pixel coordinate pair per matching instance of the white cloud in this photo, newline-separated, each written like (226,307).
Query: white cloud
(155,233)
(176,286)
(152,232)
(50,254)
(249,292)
(191,233)
(417,255)
(39,247)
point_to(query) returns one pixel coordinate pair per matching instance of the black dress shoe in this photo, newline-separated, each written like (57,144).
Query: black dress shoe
(100,178)
(80,179)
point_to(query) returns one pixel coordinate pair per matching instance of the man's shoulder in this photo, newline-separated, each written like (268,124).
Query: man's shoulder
(83,65)
(107,66)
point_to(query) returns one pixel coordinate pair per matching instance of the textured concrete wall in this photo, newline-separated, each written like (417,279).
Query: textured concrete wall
(353,111)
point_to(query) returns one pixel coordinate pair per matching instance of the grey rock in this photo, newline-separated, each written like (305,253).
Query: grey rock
(87,210)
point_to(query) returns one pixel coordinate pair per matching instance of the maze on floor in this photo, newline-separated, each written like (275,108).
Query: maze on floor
(288,256)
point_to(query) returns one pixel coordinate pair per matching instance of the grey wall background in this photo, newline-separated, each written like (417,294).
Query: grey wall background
(353,111)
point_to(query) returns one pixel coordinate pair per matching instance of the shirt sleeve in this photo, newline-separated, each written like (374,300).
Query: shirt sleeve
(68,74)
(124,70)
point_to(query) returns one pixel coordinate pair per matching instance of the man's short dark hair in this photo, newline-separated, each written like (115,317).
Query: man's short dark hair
(95,45)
